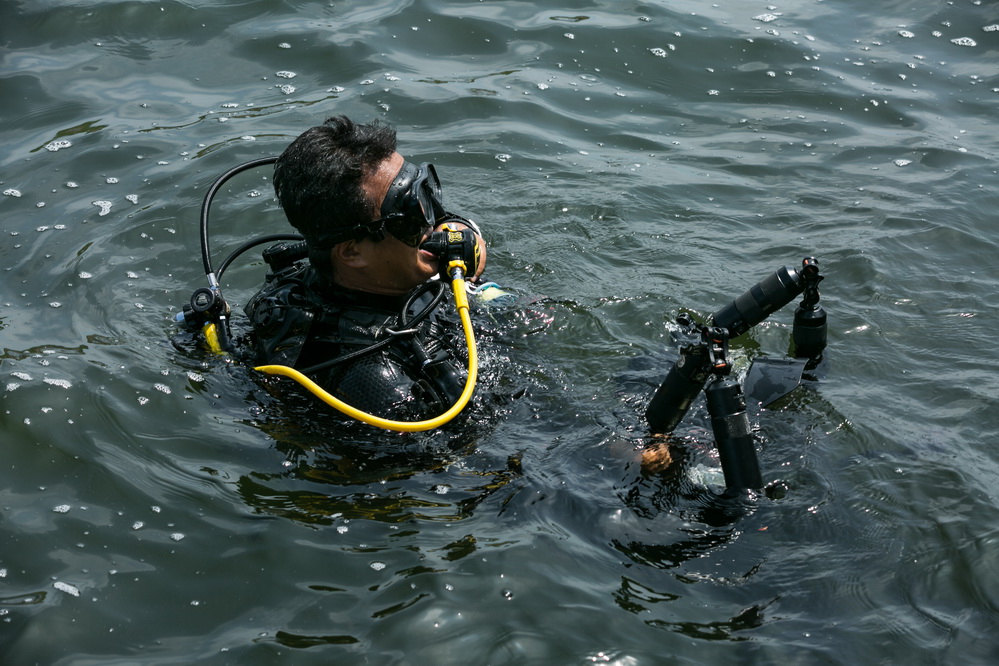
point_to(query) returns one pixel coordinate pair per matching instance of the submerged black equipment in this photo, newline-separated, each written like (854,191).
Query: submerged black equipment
(457,251)
(703,359)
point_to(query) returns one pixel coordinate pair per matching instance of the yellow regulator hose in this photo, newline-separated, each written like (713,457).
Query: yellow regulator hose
(461,302)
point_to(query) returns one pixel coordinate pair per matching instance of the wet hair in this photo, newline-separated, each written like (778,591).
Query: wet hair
(319,181)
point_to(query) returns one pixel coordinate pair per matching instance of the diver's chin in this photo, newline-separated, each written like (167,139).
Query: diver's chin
(429,263)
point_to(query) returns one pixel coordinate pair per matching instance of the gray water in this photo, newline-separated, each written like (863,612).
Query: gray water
(629,161)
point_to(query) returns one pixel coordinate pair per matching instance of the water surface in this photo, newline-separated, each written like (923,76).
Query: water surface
(629,161)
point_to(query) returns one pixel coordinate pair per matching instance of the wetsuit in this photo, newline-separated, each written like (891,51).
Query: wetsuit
(394,357)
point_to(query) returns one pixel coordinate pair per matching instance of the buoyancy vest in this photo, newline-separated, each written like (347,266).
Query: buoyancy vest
(363,348)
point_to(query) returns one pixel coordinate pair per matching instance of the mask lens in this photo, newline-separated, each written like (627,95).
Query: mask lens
(426,193)
(409,212)
(409,230)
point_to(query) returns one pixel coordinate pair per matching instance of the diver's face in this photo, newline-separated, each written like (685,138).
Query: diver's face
(386,266)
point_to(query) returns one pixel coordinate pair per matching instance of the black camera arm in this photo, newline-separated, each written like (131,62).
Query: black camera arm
(704,361)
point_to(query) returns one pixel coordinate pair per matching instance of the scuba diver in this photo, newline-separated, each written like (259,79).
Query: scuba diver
(364,212)
(362,324)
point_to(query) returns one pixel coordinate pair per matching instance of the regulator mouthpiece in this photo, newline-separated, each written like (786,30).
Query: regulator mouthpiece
(453,248)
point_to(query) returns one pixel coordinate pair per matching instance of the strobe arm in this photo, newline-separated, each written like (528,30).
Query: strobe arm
(703,362)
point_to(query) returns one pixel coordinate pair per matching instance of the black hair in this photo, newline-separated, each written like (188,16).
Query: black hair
(319,181)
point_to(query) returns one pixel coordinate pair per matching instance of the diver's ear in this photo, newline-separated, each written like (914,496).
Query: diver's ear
(349,253)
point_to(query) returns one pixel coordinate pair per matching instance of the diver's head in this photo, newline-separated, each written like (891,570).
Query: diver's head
(319,180)
(343,184)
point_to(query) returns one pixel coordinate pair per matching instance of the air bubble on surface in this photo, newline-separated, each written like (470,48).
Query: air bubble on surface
(105,207)
(57,145)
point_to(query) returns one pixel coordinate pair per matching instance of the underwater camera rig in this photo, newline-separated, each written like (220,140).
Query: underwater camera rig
(704,365)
